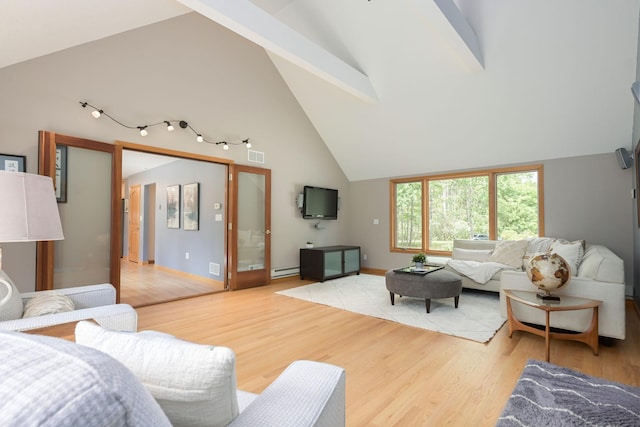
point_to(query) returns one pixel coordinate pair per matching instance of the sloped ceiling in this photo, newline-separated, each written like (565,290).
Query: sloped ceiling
(407,86)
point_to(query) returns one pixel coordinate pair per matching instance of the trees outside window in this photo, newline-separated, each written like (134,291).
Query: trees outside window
(431,211)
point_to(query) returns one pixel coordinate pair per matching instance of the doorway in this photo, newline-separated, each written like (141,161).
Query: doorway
(169,255)
(153,210)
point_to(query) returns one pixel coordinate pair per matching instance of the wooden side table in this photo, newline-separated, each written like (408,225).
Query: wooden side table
(566,303)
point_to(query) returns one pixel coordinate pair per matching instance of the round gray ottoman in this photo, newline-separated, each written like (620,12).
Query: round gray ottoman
(437,284)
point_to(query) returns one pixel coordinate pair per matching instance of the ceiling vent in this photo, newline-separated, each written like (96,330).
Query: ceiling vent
(255,156)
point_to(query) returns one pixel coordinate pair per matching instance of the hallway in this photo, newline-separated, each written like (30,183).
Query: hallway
(145,284)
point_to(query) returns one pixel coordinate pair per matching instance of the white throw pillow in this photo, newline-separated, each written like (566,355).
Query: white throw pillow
(47,302)
(480,255)
(509,252)
(194,384)
(572,252)
(11,309)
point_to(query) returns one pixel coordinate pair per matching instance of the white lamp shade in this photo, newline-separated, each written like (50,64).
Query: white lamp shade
(29,211)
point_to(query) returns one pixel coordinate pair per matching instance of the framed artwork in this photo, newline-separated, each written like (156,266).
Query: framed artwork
(9,162)
(173,206)
(190,206)
(61,174)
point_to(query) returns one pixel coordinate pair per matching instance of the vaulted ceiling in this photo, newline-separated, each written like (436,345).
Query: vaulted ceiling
(407,86)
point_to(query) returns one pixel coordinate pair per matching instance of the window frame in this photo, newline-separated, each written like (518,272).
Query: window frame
(493,217)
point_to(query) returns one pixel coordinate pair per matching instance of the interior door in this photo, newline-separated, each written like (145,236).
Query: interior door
(89,210)
(250,241)
(134,224)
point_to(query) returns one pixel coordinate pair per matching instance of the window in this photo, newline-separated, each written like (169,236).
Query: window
(430,212)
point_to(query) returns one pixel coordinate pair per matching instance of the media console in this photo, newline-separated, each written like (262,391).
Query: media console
(329,262)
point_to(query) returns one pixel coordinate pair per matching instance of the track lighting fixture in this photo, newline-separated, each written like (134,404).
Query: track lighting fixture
(97,113)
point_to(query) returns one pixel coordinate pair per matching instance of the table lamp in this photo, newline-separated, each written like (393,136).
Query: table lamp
(29,213)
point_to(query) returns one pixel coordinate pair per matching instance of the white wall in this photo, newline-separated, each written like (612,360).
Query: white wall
(185,68)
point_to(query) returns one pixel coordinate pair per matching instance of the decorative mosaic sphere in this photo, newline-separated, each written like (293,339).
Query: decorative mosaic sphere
(548,271)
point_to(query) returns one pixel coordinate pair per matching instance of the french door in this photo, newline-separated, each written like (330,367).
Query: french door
(88,170)
(250,227)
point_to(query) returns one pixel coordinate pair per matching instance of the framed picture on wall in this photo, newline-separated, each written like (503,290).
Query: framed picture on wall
(9,162)
(173,206)
(190,206)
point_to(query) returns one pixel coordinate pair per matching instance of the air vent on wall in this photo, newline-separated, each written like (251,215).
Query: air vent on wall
(255,156)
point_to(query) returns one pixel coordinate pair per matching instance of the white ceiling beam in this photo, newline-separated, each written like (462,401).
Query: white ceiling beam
(445,18)
(256,25)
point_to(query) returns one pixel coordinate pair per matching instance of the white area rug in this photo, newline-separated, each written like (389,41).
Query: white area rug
(477,317)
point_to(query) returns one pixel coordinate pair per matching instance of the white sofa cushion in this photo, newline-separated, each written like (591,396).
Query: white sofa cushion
(509,252)
(47,381)
(480,255)
(194,384)
(12,306)
(47,302)
(572,252)
(601,264)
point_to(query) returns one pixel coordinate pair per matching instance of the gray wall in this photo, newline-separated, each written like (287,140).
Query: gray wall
(636,229)
(204,245)
(190,68)
(184,68)
(586,197)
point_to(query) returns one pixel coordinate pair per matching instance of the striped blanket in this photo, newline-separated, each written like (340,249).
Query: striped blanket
(550,395)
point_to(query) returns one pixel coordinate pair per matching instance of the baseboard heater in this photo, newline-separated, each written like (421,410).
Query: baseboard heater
(284,272)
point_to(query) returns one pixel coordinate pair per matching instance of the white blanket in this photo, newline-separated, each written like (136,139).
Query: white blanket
(480,272)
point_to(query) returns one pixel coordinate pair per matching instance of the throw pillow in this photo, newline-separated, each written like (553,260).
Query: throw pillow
(572,252)
(509,252)
(10,300)
(194,384)
(47,302)
(480,255)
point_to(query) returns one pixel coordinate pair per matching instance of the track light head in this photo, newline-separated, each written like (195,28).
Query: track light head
(97,113)
(169,126)
(143,130)
(183,124)
(199,138)
(246,142)
(225,146)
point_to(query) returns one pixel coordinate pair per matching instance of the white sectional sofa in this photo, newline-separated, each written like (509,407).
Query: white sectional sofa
(599,274)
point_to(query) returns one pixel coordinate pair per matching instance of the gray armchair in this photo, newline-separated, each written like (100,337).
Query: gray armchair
(97,302)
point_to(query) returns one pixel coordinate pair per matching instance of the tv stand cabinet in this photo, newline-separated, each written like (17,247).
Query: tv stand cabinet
(329,262)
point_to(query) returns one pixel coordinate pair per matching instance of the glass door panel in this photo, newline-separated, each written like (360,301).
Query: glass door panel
(251,221)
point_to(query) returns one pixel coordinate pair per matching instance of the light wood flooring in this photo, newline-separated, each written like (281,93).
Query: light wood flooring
(145,284)
(396,375)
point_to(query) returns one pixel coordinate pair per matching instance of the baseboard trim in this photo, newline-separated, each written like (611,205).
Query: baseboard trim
(189,275)
(374,271)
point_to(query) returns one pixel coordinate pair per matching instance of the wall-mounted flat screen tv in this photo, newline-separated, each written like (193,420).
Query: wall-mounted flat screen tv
(320,203)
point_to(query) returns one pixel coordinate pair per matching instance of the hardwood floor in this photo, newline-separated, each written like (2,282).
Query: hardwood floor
(396,375)
(145,284)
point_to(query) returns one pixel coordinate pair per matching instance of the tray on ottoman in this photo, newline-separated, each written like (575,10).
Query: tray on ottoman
(427,268)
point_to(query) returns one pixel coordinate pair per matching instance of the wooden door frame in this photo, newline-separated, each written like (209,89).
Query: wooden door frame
(232,246)
(137,250)
(47,142)
(46,166)
(124,145)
